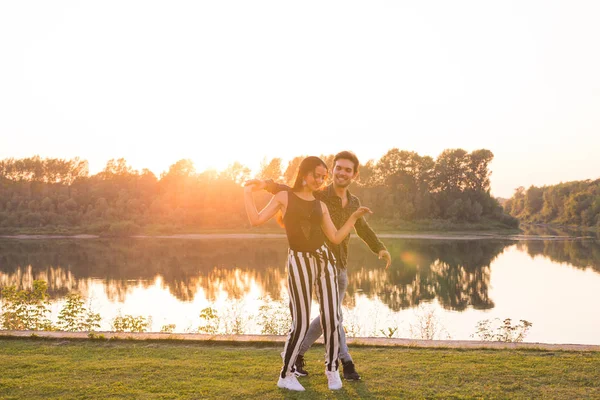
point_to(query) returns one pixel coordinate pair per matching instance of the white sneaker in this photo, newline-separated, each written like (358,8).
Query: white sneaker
(333,380)
(290,382)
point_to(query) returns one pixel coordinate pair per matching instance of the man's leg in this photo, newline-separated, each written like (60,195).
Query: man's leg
(342,286)
(348,368)
(315,330)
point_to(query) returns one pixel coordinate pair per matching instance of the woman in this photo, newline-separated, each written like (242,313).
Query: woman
(310,263)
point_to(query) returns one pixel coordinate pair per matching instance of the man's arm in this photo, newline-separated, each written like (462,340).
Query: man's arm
(268,185)
(364,231)
(274,188)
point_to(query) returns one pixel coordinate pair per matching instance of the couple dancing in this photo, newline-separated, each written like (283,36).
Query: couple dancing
(317,224)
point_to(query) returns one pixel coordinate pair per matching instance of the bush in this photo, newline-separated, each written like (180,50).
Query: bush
(129,323)
(211,321)
(75,317)
(26,309)
(123,228)
(509,221)
(275,318)
(99,228)
(504,332)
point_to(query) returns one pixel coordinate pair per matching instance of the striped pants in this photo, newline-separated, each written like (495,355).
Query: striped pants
(308,271)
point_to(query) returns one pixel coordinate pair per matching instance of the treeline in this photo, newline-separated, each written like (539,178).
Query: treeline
(572,203)
(402,188)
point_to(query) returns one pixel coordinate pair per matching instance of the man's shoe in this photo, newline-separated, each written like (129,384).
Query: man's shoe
(350,373)
(333,380)
(300,371)
(290,382)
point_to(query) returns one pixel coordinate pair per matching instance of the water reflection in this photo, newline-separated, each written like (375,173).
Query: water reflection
(456,274)
(184,265)
(580,254)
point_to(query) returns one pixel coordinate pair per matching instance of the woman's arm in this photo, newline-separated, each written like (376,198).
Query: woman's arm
(334,235)
(278,202)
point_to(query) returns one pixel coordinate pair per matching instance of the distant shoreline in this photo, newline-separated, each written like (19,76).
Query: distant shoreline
(239,235)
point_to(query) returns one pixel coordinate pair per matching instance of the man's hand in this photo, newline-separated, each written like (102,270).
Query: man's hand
(256,184)
(386,256)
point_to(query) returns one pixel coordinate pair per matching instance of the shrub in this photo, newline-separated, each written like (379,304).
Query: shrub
(170,328)
(211,321)
(26,309)
(129,323)
(505,332)
(123,228)
(75,317)
(275,318)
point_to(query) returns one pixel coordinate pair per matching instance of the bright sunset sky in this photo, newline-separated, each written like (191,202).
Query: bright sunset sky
(220,81)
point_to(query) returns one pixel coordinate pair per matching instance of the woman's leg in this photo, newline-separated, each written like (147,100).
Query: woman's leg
(329,307)
(301,276)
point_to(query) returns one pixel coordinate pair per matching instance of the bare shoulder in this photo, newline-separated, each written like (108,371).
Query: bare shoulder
(282,197)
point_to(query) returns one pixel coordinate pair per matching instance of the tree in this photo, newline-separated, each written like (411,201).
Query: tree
(478,174)
(366,173)
(290,172)
(534,200)
(117,168)
(236,172)
(450,172)
(271,169)
(182,168)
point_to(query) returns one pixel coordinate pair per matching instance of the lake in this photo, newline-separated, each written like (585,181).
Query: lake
(442,286)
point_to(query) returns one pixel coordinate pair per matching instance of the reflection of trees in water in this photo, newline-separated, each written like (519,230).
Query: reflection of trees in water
(60,281)
(456,273)
(578,253)
(184,265)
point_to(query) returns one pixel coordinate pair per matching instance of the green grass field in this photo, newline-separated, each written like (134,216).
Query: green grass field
(127,369)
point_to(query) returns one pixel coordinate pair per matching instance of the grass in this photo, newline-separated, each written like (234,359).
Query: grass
(109,369)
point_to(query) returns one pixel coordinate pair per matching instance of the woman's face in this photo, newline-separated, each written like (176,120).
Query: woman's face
(315,179)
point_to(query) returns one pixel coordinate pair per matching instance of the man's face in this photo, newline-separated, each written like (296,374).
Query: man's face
(343,172)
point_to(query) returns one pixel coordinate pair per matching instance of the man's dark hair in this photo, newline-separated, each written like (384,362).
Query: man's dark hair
(347,155)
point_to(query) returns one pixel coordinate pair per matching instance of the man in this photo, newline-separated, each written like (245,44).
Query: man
(341,204)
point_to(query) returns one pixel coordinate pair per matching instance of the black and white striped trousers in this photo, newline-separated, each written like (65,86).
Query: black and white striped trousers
(308,271)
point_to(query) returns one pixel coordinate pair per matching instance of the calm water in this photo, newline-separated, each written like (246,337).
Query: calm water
(553,284)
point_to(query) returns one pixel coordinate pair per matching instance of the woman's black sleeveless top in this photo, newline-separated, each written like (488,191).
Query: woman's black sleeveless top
(302,222)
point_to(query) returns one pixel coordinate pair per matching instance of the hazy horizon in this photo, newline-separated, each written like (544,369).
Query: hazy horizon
(155,82)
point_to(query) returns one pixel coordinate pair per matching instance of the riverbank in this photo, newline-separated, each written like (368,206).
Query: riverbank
(128,228)
(272,235)
(75,369)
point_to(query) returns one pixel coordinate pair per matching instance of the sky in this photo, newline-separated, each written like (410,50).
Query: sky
(222,81)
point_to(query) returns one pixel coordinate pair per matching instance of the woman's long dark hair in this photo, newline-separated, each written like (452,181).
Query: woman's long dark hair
(308,165)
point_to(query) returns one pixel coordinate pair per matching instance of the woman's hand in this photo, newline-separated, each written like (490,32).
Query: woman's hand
(337,236)
(361,211)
